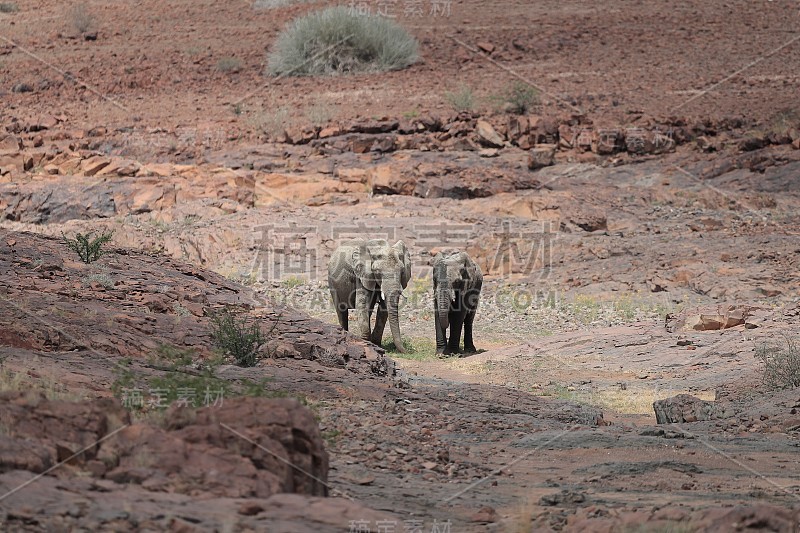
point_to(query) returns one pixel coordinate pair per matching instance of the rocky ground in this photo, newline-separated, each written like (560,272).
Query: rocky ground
(638,232)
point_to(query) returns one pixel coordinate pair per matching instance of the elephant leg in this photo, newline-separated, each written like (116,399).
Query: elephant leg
(343,317)
(441,335)
(337,306)
(456,320)
(381,315)
(469,345)
(363,312)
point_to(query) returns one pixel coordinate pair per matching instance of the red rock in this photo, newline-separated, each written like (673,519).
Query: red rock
(566,136)
(541,156)
(485,46)
(51,169)
(46,122)
(487,135)
(120,167)
(388,179)
(14,162)
(330,131)
(94,164)
(684,408)
(607,141)
(484,515)
(361,145)
(250,509)
(353,175)
(10,145)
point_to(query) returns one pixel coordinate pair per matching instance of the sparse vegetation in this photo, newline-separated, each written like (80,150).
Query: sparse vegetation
(416,349)
(781,360)
(462,99)
(89,249)
(671,526)
(234,335)
(99,277)
(292,282)
(628,400)
(520,97)
(81,19)
(182,384)
(35,379)
(626,308)
(273,122)
(180,310)
(230,64)
(785,123)
(337,40)
(8,7)
(319,114)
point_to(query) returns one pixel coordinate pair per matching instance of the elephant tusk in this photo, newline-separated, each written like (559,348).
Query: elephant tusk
(383,296)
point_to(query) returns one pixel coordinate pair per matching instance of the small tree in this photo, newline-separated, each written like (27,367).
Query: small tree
(88,249)
(234,336)
(520,97)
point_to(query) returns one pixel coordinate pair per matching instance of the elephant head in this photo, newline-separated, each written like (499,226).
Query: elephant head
(454,274)
(381,267)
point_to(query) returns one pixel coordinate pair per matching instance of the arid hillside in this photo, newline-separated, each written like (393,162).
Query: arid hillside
(626,175)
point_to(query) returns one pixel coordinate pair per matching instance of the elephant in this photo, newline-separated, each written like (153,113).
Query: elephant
(363,273)
(457,282)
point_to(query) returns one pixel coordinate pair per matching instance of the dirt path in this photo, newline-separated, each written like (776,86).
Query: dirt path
(544,471)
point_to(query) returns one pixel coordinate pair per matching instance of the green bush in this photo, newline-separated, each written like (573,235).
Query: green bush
(8,7)
(88,250)
(179,383)
(337,40)
(520,97)
(234,336)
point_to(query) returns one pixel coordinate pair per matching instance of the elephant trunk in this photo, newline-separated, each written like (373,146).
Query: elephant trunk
(393,293)
(443,304)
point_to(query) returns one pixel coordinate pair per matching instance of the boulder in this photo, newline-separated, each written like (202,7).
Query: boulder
(715,318)
(566,136)
(487,135)
(684,408)
(388,179)
(120,167)
(54,430)
(10,144)
(92,165)
(244,447)
(608,141)
(543,155)
(485,46)
(353,175)
(361,144)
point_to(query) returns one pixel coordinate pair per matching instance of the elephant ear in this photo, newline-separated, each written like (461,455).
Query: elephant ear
(361,254)
(405,258)
(474,273)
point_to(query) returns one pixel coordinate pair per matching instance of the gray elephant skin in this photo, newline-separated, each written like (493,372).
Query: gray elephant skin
(457,283)
(365,273)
